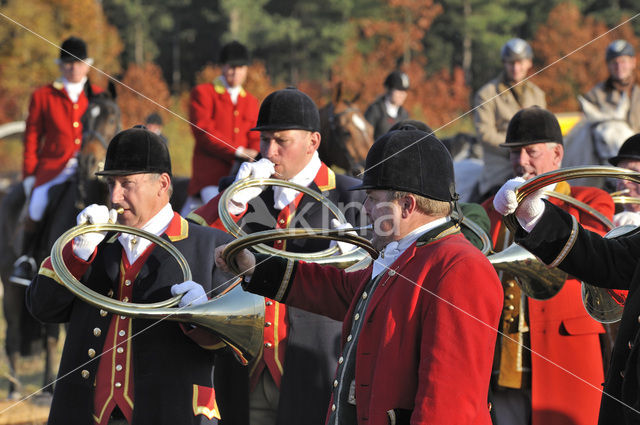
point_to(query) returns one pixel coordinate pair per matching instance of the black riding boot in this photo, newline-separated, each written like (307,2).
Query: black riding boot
(25,267)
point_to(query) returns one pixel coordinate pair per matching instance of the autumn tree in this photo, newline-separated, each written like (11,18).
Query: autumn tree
(143,91)
(569,51)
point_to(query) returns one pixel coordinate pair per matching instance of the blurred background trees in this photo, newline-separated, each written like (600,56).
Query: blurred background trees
(449,48)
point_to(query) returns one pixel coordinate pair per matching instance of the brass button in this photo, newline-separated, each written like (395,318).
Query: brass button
(335,383)
(123,317)
(267,324)
(85,374)
(236,112)
(281,221)
(110,293)
(122,333)
(125,300)
(510,308)
(103,313)
(356,317)
(268,303)
(267,345)
(118,384)
(92,353)
(333,407)
(120,350)
(76,124)
(77,141)
(97,331)
(118,367)
(392,272)
(127,282)
(349,338)
(341,360)
(510,284)
(510,320)
(279,241)
(75,106)
(364,295)
(236,130)
(510,296)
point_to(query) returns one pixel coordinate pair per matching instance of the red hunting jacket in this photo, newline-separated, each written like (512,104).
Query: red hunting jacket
(53,132)
(429,331)
(219,128)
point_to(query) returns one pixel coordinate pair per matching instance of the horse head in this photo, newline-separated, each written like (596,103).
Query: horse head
(609,126)
(100,123)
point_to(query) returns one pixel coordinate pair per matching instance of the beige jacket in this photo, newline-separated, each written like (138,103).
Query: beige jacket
(491,119)
(605,96)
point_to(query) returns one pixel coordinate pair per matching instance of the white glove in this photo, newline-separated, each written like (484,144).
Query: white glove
(262,169)
(344,247)
(193,293)
(85,244)
(27,185)
(530,210)
(626,217)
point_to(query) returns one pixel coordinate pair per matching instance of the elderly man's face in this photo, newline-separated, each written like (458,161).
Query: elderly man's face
(517,70)
(140,195)
(385,215)
(622,68)
(632,189)
(74,71)
(289,150)
(531,160)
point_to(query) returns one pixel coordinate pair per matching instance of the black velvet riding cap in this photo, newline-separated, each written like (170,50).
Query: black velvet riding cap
(288,109)
(234,54)
(532,125)
(630,150)
(397,80)
(73,49)
(410,161)
(136,151)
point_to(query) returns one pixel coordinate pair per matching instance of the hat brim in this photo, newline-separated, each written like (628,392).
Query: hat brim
(69,59)
(527,143)
(275,127)
(238,62)
(617,159)
(129,172)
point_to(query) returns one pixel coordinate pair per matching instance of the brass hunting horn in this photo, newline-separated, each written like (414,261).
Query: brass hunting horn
(601,304)
(237,317)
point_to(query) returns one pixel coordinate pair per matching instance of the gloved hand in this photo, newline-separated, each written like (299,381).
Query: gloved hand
(193,293)
(530,210)
(85,244)
(258,170)
(626,217)
(27,185)
(344,247)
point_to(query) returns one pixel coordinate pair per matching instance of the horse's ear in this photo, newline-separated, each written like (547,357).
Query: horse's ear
(591,111)
(338,93)
(355,98)
(111,88)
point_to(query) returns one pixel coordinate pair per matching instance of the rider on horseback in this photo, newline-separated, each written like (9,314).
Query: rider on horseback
(52,139)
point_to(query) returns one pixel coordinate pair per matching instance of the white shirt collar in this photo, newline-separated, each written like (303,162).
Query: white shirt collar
(394,249)
(392,110)
(74,89)
(234,92)
(283,196)
(134,246)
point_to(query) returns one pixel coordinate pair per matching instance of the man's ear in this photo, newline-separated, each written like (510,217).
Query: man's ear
(315,141)
(165,181)
(408,205)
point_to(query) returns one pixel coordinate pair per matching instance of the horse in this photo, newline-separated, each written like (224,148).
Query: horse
(346,135)
(597,137)
(100,123)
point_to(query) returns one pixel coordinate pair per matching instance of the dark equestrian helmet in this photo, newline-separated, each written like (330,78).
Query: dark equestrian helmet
(397,80)
(411,125)
(288,109)
(630,150)
(234,54)
(516,49)
(619,48)
(532,125)
(136,151)
(73,49)
(410,161)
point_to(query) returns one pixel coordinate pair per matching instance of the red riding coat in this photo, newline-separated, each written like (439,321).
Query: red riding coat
(53,132)
(219,128)
(563,332)
(429,331)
